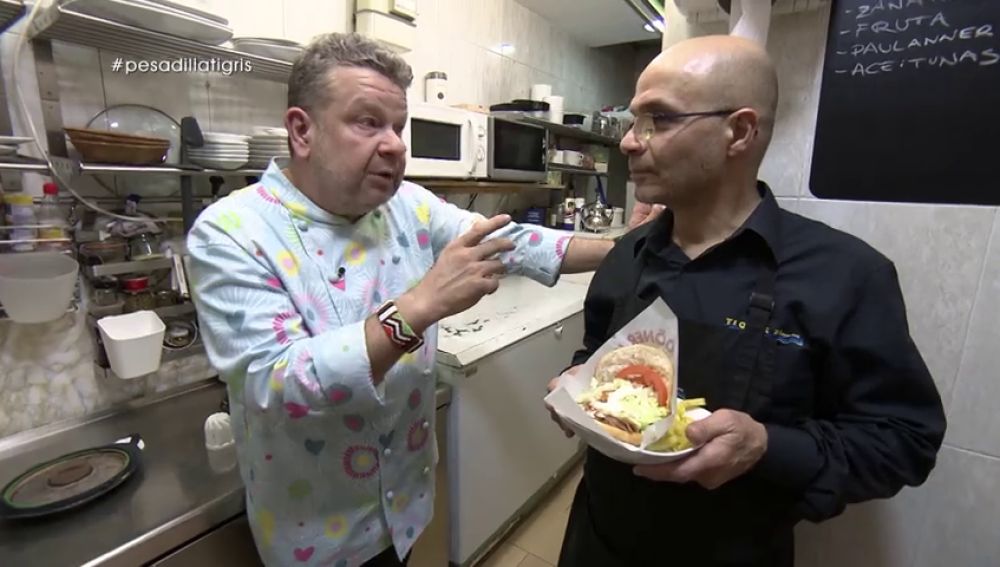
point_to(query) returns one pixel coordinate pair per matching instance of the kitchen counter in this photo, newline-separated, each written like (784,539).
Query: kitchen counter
(518,309)
(176,497)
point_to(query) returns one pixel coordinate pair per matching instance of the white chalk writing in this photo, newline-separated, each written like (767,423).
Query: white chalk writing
(868,10)
(890,37)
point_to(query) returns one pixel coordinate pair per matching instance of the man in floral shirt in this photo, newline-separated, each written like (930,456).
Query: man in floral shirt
(318,290)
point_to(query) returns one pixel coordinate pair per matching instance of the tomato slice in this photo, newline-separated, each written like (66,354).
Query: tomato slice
(648,377)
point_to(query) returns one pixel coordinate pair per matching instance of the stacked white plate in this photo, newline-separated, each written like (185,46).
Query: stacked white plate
(280,49)
(267,143)
(222,151)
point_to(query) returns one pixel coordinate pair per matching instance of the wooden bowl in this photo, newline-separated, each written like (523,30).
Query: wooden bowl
(125,154)
(87,134)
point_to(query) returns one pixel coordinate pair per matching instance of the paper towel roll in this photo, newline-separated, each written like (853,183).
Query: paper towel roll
(555,108)
(540,91)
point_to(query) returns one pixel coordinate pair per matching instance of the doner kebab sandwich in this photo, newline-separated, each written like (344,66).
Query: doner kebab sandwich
(631,390)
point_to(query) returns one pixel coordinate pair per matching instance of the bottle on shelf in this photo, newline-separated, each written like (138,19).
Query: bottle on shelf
(22,214)
(51,216)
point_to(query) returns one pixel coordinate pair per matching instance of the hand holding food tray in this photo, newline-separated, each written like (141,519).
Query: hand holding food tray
(623,400)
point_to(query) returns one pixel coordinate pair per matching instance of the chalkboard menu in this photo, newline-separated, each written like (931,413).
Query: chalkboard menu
(910,103)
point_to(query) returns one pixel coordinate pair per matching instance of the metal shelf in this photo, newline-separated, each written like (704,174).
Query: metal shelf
(10,12)
(137,42)
(575,169)
(30,164)
(24,164)
(139,266)
(105,168)
(572,133)
(169,355)
(455,186)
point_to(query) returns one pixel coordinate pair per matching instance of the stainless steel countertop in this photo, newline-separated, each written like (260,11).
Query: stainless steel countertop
(174,498)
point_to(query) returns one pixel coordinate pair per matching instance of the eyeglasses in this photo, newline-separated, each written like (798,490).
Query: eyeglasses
(647,124)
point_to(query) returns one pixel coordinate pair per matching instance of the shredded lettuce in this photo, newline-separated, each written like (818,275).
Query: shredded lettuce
(627,401)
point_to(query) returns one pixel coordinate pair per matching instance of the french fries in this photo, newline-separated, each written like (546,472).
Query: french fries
(675,439)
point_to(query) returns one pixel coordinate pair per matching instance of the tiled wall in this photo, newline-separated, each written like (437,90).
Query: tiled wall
(948,259)
(46,372)
(464,38)
(494,50)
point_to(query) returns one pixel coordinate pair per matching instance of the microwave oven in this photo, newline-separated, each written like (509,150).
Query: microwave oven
(454,143)
(517,151)
(446,142)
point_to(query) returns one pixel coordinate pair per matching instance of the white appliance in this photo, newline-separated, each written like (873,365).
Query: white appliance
(446,142)
(517,151)
(504,452)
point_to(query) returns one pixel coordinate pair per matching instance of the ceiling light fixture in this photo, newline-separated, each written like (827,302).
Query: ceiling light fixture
(651,15)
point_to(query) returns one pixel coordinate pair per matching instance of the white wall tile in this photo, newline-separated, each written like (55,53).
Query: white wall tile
(516,80)
(178,95)
(81,86)
(938,252)
(27,81)
(881,533)
(493,79)
(305,19)
(254,18)
(540,42)
(795,43)
(429,16)
(963,512)
(231,111)
(517,31)
(973,421)
(487,23)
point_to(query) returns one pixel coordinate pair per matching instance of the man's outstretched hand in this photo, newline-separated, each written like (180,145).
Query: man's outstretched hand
(643,213)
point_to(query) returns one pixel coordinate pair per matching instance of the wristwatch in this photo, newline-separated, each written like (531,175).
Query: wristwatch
(397,329)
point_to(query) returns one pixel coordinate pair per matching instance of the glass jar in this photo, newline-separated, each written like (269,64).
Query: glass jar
(166,298)
(104,298)
(138,296)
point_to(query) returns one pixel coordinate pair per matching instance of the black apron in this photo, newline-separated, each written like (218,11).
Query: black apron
(618,519)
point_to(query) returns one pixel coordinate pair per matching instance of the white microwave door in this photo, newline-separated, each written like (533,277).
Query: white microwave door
(440,144)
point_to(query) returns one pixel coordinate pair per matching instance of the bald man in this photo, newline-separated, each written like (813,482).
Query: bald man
(795,334)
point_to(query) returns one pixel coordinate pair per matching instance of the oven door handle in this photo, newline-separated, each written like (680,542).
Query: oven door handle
(471,146)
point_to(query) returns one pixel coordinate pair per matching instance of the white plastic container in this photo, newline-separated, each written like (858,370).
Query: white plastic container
(436,88)
(36,287)
(555,108)
(573,158)
(133,343)
(540,91)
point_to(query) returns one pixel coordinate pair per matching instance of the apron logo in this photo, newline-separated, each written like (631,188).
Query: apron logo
(781,337)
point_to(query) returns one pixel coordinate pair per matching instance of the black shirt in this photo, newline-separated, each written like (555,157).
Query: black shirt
(856,414)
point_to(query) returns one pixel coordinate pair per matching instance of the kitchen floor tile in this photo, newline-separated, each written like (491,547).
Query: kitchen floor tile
(541,534)
(534,561)
(504,555)
(564,493)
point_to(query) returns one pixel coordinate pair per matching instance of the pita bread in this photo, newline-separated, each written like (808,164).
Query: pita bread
(647,355)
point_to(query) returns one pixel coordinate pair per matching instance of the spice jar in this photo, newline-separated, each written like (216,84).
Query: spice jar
(166,298)
(138,296)
(104,298)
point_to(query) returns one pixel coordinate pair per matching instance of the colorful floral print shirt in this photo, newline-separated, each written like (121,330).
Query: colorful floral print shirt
(336,470)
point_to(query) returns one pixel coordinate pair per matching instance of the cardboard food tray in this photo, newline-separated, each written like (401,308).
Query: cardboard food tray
(656,326)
